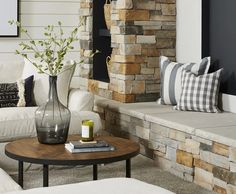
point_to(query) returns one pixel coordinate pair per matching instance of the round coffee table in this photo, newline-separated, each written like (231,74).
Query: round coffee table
(31,151)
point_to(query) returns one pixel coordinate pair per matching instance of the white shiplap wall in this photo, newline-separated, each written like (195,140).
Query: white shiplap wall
(34,16)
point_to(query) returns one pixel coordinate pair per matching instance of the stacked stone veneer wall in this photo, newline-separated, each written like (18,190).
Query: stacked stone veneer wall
(207,163)
(141,31)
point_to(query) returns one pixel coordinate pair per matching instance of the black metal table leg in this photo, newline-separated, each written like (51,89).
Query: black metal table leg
(95,172)
(128,168)
(45,175)
(20,173)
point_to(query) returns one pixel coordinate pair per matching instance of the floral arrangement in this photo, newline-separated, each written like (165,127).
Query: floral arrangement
(50,51)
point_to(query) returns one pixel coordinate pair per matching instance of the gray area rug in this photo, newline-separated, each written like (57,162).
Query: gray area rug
(142,169)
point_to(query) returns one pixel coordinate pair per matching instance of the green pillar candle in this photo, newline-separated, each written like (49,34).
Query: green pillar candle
(87,130)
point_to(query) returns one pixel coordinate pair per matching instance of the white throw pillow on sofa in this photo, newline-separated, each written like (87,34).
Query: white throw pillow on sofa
(10,71)
(41,84)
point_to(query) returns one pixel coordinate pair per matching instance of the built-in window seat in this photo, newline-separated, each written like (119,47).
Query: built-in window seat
(198,147)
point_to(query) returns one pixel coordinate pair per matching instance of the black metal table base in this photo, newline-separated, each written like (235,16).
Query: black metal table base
(45,172)
(128,168)
(45,175)
(95,172)
(20,173)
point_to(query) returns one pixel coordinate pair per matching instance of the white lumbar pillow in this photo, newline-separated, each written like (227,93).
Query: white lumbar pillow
(41,83)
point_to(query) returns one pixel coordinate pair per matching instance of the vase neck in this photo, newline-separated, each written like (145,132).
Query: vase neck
(52,95)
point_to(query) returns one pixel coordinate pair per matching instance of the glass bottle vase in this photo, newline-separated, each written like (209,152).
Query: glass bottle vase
(52,119)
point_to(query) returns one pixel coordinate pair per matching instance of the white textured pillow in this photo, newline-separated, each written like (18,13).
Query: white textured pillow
(41,84)
(80,100)
(171,77)
(10,71)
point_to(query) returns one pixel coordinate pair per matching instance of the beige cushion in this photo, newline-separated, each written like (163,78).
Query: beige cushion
(17,122)
(10,71)
(80,100)
(105,186)
(78,117)
(7,184)
(41,84)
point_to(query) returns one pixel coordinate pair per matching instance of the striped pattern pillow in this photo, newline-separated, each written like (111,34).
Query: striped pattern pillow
(171,77)
(200,93)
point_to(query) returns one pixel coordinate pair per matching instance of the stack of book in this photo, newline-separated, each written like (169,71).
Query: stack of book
(93,146)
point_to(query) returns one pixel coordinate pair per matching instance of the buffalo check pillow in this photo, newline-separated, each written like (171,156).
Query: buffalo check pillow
(171,73)
(200,93)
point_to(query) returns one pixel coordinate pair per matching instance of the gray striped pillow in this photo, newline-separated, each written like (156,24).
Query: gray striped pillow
(200,93)
(171,77)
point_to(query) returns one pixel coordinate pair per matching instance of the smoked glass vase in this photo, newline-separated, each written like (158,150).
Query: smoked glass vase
(52,119)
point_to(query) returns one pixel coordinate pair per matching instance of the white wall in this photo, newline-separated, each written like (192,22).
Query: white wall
(34,16)
(188,43)
(188,46)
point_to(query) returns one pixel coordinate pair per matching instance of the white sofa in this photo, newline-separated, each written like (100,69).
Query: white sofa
(18,122)
(105,186)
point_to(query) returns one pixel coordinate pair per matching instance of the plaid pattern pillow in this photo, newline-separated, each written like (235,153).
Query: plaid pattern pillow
(171,77)
(199,93)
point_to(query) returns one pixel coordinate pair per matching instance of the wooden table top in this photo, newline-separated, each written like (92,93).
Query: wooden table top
(30,150)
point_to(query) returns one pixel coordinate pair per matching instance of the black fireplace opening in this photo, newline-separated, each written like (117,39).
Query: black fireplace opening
(219,40)
(101,42)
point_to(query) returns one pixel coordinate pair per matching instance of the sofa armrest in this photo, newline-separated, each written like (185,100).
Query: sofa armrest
(7,184)
(80,100)
(78,117)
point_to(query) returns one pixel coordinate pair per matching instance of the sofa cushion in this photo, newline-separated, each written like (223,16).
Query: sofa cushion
(105,186)
(80,100)
(17,94)
(7,184)
(41,83)
(7,75)
(16,122)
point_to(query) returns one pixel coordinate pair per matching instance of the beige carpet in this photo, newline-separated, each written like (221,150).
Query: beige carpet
(142,169)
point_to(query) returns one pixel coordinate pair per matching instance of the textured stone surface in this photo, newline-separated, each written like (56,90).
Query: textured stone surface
(225,175)
(171,153)
(142,132)
(146,39)
(220,149)
(231,189)
(232,154)
(232,166)
(219,189)
(215,159)
(160,130)
(123,97)
(124,39)
(203,178)
(140,31)
(201,160)
(149,5)
(124,4)
(130,49)
(177,135)
(168,9)
(203,165)
(131,15)
(184,158)
(219,183)
(157,146)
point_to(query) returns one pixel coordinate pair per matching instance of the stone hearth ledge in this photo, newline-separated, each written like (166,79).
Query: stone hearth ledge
(217,127)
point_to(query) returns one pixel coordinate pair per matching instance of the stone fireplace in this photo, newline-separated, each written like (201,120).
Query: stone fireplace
(141,31)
